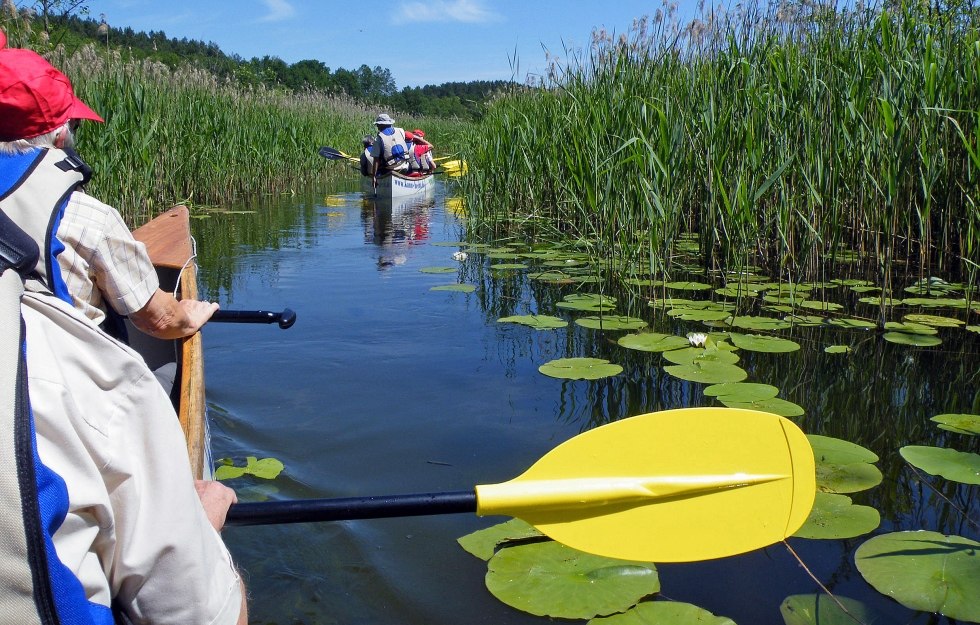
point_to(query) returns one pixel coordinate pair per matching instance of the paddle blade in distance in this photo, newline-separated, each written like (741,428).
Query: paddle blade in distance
(672,486)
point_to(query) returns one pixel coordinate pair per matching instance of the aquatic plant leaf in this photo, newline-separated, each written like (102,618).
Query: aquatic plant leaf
(502,255)
(910,327)
(934,302)
(835,516)
(760,343)
(741,391)
(483,543)
(823,610)
(438,270)
(690,355)
(461,288)
(653,342)
(708,372)
(973,329)
(958,466)
(805,320)
(638,281)
(449,243)
(774,405)
(843,466)
(914,340)
(551,277)
(266,468)
(934,320)
(538,322)
(925,571)
(504,266)
(580,368)
(550,579)
(690,314)
(876,301)
(837,349)
(663,613)
(688,286)
(760,323)
(588,302)
(858,324)
(736,291)
(819,305)
(611,322)
(959,423)
(838,451)
(228,472)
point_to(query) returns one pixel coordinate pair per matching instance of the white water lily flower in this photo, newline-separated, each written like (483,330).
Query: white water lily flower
(697,339)
(460,256)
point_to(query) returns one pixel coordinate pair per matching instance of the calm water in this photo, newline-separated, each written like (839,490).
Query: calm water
(386,387)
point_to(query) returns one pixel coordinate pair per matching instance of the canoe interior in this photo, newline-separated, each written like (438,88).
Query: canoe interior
(168,243)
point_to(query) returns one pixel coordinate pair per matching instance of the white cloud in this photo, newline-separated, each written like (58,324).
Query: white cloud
(470,11)
(279,10)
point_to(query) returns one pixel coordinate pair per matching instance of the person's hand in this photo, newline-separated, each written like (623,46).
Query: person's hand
(196,313)
(215,498)
(374,180)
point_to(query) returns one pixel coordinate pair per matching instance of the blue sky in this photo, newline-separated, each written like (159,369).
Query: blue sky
(421,42)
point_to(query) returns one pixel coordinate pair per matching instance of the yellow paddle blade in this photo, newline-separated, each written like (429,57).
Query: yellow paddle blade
(672,486)
(455,168)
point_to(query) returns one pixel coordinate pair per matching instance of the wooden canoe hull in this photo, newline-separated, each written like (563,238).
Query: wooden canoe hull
(168,243)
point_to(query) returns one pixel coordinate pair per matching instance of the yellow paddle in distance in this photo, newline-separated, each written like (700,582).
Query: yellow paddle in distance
(672,486)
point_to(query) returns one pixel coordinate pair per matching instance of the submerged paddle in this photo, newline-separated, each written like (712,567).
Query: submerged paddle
(672,486)
(285,319)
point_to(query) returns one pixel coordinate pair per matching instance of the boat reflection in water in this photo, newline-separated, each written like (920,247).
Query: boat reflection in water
(393,224)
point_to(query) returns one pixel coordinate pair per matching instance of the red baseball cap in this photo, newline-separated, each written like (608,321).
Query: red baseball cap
(35,98)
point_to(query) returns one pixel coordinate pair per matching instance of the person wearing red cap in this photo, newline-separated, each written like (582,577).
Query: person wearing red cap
(99,267)
(420,153)
(118,529)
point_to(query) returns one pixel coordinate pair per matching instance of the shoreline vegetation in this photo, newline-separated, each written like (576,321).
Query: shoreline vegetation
(186,136)
(793,137)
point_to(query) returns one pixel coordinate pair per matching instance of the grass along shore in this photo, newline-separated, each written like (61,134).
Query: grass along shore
(788,137)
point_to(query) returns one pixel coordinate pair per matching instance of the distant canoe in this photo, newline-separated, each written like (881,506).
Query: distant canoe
(393,184)
(168,243)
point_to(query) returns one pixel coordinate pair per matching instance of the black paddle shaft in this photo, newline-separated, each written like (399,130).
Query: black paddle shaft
(345,509)
(285,319)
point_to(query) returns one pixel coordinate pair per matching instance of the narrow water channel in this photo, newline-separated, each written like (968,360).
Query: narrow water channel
(384,386)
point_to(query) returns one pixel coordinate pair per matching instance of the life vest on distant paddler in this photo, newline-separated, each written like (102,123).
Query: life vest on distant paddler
(34,190)
(394,151)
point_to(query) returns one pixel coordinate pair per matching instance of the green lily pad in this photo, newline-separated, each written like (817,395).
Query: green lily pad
(708,372)
(508,266)
(914,340)
(653,342)
(973,329)
(580,368)
(588,302)
(551,277)
(760,343)
(838,451)
(741,391)
(910,327)
(823,610)
(843,466)
(774,405)
(737,291)
(925,571)
(483,543)
(459,288)
(538,322)
(690,355)
(876,301)
(611,322)
(857,324)
(663,613)
(760,323)
(438,270)
(688,286)
(822,306)
(959,423)
(835,516)
(805,320)
(690,314)
(958,466)
(837,349)
(266,468)
(935,302)
(934,320)
(550,579)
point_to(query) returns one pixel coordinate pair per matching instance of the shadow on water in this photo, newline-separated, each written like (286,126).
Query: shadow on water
(386,387)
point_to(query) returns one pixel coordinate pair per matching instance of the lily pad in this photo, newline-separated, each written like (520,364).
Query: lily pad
(691,355)
(959,423)
(925,571)
(823,610)
(460,288)
(550,579)
(266,468)
(538,322)
(708,372)
(580,368)
(741,391)
(653,342)
(831,450)
(958,466)
(934,320)
(760,323)
(438,270)
(588,302)
(774,405)
(663,613)
(508,266)
(822,306)
(611,322)
(760,343)
(688,286)
(858,324)
(483,543)
(910,327)
(837,349)
(690,314)
(973,329)
(835,516)
(914,340)
(737,291)
(843,466)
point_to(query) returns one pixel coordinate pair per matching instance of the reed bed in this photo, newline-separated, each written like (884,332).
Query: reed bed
(184,135)
(790,136)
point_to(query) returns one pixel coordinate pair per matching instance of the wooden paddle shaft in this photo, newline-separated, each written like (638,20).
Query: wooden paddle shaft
(345,509)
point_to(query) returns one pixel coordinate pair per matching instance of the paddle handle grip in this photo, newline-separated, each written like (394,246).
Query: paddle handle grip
(285,319)
(350,508)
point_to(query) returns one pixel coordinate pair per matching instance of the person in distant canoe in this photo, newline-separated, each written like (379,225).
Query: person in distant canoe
(97,266)
(420,153)
(367,161)
(390,150)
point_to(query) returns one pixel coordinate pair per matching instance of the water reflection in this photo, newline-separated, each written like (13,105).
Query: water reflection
(393,223)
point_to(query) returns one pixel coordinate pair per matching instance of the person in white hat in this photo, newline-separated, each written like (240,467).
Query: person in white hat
(390,150)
